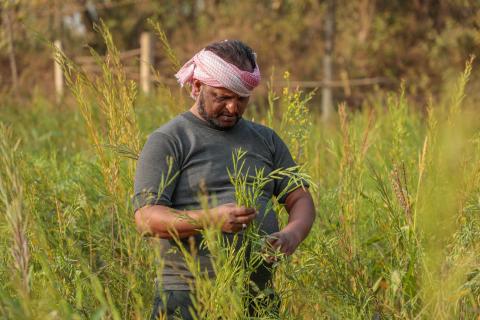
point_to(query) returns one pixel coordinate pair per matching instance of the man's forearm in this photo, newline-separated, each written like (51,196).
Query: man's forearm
(301,215)
(301,212)
(164,222)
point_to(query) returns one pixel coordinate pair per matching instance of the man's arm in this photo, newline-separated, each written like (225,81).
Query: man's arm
(301,212)
(165,222)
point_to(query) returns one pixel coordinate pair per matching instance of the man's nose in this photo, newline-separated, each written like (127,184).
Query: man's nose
(232,106)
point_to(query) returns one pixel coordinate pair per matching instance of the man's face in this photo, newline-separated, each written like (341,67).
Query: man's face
(221,107)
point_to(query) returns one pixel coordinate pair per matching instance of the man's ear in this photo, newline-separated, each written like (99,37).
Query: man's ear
(196,86)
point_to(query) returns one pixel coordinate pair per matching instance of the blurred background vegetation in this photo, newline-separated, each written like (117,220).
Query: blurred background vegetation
(421,42)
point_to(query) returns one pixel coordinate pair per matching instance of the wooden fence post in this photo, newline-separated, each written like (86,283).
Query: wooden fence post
(146,62)
(58,73)
(329,32)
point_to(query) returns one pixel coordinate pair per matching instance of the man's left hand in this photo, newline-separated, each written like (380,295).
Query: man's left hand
(301,211)
(283,241)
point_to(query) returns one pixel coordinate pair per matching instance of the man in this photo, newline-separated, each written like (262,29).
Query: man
(200,142)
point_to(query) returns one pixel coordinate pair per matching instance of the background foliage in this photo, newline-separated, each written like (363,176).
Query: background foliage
(422,42)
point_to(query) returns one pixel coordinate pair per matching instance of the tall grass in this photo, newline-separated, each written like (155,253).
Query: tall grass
(16,216)
(397,202)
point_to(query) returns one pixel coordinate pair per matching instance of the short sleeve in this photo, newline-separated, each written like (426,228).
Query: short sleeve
(282,159)
(157,171)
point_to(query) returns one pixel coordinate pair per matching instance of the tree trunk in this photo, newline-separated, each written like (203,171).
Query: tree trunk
(329,34)
(7,21)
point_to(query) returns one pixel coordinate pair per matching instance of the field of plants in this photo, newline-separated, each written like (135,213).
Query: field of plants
(397,196)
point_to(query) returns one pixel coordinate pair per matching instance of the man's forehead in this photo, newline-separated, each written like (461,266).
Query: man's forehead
(220,91)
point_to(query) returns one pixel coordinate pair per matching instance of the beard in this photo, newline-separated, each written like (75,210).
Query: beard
(213,119)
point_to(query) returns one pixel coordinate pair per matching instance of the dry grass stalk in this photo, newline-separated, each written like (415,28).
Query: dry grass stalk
(172,57)
(11,195)
(366,133)
(421,170)
(342,114)
(115,96)
(399,184)
(116,129)
(348,179)
(459,95)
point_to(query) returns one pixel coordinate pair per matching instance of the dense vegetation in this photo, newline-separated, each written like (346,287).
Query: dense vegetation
(398,204)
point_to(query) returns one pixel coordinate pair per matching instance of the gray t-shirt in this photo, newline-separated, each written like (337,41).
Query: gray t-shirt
(201,155)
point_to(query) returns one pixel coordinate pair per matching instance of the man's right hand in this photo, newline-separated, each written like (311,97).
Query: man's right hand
(232,217)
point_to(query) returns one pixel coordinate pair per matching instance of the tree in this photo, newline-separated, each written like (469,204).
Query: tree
(8,29)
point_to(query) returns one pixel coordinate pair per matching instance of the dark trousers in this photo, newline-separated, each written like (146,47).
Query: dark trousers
(178,305)
(178,302)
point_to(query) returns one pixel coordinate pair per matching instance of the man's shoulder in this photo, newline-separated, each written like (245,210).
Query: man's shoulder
(258,127)
(262,130)
(171,128)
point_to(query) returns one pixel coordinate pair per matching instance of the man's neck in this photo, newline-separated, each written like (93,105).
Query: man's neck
(194,110)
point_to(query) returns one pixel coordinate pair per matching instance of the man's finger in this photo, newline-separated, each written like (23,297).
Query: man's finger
(278,243)
(244,211)
(273,249)
(273,238)
(245,219)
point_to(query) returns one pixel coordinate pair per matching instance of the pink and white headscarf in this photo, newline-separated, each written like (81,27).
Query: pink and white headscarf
(213,71)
